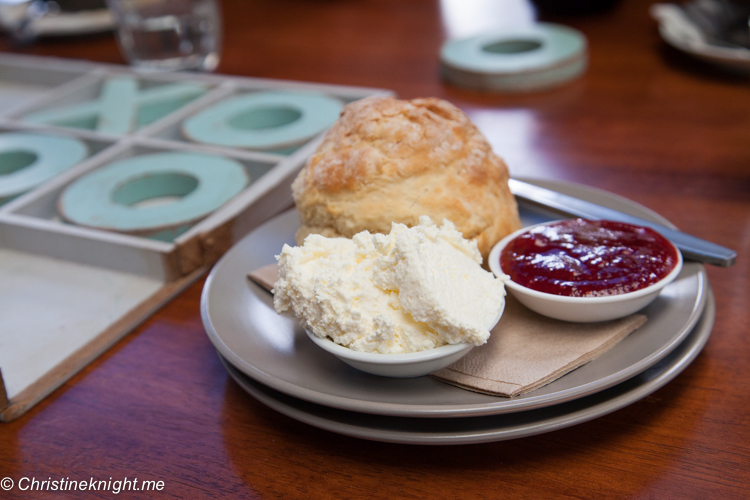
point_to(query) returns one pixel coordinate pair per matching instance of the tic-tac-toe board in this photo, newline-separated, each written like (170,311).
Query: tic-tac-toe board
(119,188)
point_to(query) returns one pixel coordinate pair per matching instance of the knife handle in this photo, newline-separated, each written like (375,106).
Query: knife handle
(691,247)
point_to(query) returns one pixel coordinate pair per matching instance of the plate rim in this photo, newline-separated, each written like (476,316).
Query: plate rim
(701,333)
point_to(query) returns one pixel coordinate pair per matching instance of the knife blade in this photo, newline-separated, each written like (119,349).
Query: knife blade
(692,247)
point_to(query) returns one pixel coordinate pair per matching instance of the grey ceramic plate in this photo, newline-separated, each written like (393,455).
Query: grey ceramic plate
(488,428)
(274,350)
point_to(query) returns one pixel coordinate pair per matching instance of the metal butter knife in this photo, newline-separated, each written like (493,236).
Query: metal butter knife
(691,247)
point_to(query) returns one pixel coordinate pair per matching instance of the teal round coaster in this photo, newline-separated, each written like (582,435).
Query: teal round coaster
(263,120)
(28,160)
(151,194)
(520,59)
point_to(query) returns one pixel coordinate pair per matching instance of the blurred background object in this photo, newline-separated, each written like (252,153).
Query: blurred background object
(498,46)
(169,35)
(160,35)
(574,7)
(534,57)
(723,22)
(464,18)
(716,31)
(26,20)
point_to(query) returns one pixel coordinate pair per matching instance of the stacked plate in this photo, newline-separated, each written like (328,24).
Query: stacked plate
(271,357)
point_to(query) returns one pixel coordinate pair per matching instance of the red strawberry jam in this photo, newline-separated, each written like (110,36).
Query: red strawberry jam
(588,258)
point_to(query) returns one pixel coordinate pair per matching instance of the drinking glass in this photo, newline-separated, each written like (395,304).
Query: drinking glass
(169,35)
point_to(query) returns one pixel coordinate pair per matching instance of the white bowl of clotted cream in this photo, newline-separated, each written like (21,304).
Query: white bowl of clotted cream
(382,302)
(401,365)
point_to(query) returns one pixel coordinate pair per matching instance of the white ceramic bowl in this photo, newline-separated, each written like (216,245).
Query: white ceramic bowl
(580,309)
(406,365)
(413,364)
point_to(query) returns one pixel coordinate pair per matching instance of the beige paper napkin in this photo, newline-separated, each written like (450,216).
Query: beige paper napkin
(265,276)
(525,351)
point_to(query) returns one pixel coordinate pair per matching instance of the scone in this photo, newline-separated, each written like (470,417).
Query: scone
(387,160)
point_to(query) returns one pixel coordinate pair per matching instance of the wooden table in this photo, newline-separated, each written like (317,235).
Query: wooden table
(644,122)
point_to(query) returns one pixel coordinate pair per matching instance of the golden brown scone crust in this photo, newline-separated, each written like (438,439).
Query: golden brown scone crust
(387,160)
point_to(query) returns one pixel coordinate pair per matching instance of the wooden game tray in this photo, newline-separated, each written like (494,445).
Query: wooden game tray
(67,293)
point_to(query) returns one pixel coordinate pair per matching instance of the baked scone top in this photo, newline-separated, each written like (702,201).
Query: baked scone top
(387,160)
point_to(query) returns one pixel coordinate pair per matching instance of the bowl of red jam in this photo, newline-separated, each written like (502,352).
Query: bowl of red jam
(586,270)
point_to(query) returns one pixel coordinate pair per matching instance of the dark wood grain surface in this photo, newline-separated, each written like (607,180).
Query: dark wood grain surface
(645,122)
